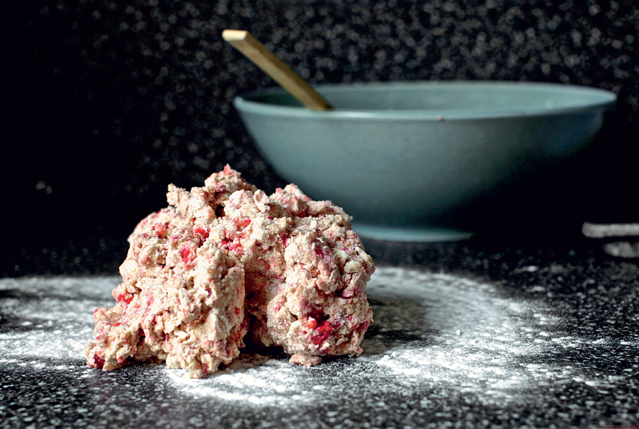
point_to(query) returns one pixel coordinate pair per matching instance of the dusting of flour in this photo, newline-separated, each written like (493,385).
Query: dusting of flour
(50,317)
(434,335)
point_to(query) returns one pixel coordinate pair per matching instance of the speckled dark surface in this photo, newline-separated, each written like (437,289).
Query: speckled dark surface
(592,296)
(111,101)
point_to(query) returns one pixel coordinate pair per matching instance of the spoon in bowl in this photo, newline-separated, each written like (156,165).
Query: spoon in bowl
(262,57)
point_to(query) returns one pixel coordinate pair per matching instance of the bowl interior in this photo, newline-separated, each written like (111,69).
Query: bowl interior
(451,98)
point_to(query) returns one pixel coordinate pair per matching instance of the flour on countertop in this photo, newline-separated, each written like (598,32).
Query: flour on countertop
(431,332)
(52,317)
(433,335)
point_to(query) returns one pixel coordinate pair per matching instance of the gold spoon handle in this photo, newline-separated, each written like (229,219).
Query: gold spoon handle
(255,51)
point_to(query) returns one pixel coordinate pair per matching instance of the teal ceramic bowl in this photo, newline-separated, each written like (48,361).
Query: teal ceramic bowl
(421,161)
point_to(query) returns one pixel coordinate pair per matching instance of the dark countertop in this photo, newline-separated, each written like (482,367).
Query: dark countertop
(480,333)
(111,102)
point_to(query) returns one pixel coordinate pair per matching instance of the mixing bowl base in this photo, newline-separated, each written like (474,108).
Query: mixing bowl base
(412,234)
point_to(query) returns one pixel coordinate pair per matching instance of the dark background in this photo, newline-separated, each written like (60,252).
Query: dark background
(107,102)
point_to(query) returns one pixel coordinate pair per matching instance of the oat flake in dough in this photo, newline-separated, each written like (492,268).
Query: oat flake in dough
(226,258)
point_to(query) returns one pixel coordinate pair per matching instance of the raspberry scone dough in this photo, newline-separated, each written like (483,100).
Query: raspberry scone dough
(182,298)
(306,272)
(189,267)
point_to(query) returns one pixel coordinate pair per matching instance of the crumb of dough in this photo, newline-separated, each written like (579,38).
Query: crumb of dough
(225,254)
(306,360)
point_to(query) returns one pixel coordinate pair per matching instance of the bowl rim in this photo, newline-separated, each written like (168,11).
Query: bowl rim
(243,103)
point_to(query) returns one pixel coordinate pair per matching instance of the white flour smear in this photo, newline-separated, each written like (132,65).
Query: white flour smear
(434,335)
(54,315)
